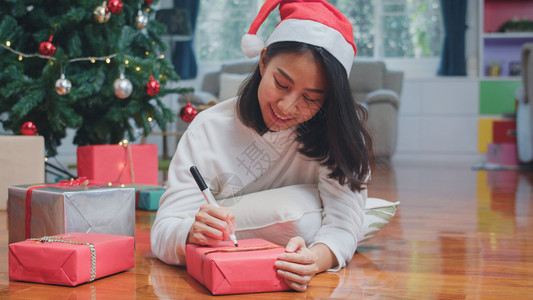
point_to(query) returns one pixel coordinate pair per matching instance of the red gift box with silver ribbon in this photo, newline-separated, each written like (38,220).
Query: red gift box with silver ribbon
(70,259)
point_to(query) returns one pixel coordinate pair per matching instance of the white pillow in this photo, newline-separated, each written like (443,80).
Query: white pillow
(229,85)
(268,216)
(378,213)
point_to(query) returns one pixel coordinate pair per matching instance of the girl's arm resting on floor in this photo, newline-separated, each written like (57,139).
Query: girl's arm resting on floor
(326,258)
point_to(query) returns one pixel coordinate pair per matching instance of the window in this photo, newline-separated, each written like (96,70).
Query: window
(220,26)
(382,28)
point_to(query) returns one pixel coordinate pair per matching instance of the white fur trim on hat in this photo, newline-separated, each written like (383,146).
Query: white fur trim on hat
(251,45)
(317,34)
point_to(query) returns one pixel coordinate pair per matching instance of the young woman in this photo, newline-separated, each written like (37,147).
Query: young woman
(293,125)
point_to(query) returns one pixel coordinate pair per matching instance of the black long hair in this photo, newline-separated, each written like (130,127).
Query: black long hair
(337,135)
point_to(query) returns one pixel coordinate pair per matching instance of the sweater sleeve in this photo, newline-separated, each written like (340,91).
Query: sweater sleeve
(205,145)
(342,218)
(178,205)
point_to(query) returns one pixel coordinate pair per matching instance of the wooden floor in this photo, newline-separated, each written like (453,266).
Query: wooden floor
(459,234)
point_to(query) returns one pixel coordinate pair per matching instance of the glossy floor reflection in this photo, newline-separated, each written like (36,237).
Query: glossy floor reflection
(458,234)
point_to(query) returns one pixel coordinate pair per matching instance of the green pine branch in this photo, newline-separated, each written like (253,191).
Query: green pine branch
(27,90)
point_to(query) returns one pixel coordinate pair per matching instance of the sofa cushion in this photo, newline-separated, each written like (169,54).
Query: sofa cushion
(229,85)
(366,76)
(243,67)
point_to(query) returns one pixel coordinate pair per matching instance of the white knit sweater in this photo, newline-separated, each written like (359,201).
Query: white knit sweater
(223,148)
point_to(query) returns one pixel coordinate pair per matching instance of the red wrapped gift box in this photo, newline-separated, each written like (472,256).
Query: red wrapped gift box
(227,269)
(504,132)
(132,164)
(67,259)
(502,154)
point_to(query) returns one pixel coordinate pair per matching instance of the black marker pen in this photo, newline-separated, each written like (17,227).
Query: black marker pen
(207,195)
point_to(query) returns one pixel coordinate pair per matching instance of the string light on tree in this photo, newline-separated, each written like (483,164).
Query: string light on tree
(46,48)
(101,13)
(152,86)
(28,128)
(63,86)
(114,6)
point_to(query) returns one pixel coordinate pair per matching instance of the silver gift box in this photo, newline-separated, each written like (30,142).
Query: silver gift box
(60,209)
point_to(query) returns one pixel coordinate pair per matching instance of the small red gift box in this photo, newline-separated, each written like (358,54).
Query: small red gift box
(131,164)
(504,132)
(71,258)
(502,154)
(227,269)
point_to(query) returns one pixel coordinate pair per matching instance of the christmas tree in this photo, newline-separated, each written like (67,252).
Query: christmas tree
(92,65)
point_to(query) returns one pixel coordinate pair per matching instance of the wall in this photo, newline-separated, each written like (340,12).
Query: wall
(439,115)
(439,119)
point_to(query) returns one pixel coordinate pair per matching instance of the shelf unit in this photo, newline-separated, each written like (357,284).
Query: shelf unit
(502,48)
(497,85)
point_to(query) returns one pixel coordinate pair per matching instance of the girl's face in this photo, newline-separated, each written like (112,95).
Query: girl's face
(292,89)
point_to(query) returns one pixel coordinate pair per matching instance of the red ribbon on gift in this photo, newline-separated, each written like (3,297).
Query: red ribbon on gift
(82,181)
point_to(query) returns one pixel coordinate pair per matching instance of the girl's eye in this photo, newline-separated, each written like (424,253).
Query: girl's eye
(279,84)
(309,99)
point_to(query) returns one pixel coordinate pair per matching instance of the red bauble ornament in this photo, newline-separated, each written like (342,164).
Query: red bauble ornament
(152,87)
(188,112)
(114,6)
(46,48)
(148,2)
(28,128)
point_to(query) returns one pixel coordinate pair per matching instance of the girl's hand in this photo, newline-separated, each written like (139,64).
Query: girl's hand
(211,225)
(298,265)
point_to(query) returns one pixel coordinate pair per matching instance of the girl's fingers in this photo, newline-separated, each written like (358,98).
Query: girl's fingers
(305,279)
(208,231)
(218,223)
(306,257)
(296,286)
(296,268)
(295,244)
(297,265)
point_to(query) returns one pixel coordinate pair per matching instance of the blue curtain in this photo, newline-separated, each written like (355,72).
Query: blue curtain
(183,56)
(453,61)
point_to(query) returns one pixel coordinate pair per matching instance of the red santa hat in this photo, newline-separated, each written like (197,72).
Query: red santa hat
(314,22)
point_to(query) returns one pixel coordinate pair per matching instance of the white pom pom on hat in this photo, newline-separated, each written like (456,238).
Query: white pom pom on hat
(314,22)
(251,45)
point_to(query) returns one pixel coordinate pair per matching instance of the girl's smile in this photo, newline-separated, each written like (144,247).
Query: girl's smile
(278,118)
